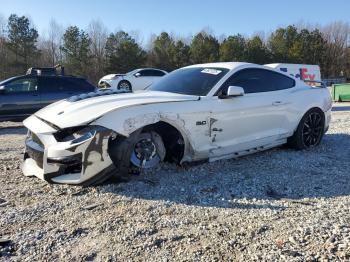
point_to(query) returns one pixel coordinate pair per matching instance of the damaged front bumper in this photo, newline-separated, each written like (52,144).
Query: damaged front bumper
(71,156)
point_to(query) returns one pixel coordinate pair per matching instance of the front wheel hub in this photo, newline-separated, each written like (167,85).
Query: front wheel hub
(148,151)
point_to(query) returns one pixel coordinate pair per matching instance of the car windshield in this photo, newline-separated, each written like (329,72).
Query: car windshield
(6,80)
(133,72)
(190,81)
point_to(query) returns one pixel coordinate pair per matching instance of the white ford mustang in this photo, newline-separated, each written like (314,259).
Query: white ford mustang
(200,112)
(137,79)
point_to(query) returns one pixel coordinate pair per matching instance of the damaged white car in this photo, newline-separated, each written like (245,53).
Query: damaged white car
(201,112)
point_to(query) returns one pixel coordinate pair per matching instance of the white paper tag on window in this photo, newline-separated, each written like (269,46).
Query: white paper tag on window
(211,71)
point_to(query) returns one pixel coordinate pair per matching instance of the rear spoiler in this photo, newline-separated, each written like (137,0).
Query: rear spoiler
(313,83)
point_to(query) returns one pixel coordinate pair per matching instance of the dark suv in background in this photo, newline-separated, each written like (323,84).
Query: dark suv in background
(22,96)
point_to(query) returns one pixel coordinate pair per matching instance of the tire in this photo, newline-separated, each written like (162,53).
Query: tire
(140,150)
(310,130)
(125,85)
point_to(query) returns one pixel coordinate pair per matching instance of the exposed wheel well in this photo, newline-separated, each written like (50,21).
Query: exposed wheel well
(172,139)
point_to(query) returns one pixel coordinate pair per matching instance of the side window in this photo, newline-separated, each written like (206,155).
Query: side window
(259,80)
(143,72)
(150,72)
(50,85)
(22,85)
(57,84)
(158,73)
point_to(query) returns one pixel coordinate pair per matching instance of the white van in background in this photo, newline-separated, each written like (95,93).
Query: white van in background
(303,72)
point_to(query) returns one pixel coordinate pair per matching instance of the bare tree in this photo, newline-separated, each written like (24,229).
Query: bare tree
(49,44)
(337,36)
(2,25)
(3,51)
(55,36)
(98,34)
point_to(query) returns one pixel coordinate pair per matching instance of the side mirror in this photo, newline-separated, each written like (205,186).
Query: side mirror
(137,74)
(233,91)
(2,89)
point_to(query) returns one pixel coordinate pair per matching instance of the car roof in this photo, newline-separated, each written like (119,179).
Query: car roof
(24,76)
(228,65)
(234,65)
(29,75)
(147,68)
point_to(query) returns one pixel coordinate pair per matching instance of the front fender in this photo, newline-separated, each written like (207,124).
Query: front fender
(127,120)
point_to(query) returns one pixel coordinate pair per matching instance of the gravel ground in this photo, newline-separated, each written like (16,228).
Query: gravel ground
(277,205)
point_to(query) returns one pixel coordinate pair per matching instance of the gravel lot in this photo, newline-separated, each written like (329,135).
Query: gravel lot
(277,205)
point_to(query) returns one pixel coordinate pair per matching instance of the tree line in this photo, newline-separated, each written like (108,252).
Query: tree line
(94,52)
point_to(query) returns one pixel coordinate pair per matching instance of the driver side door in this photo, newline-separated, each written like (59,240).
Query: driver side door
(257,118)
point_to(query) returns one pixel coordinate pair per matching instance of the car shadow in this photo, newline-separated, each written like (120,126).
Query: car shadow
(255,181)
(13,130)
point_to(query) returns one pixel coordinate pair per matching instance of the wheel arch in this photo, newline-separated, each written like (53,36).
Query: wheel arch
(124,80)
(128,122)
(305,111)
(174,140)
(294,141)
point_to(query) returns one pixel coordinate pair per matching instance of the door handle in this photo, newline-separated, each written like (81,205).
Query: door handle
(278,103)
(217,129)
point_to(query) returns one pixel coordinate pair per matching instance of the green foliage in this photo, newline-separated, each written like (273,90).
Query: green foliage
(281,43)
(76,49)
(288,45)
(181,55)
(168,54)
(21,40)
(233,48)
(161,54)
(204,48)
(123,54)
(311,47)
(256,51)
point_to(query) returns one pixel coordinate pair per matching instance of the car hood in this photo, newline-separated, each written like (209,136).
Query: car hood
(111,76)
(83,109)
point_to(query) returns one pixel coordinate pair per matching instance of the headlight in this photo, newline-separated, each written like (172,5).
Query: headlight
(75,134)
(86,136)
(104,84)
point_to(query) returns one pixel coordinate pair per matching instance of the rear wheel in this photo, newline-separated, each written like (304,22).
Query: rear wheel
(310,130)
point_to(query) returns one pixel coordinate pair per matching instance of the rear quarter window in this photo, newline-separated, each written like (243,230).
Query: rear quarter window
(78,84)
(158,73)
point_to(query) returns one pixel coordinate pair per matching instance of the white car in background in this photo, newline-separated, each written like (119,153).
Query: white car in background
(200,112)
(137,79)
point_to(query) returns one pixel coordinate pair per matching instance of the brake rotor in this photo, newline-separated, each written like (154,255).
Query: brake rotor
(149,150)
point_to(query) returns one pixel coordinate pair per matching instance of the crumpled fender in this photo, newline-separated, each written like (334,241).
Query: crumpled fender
(128,120)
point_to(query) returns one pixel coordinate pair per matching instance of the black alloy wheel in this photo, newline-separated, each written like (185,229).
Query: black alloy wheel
(312,129)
